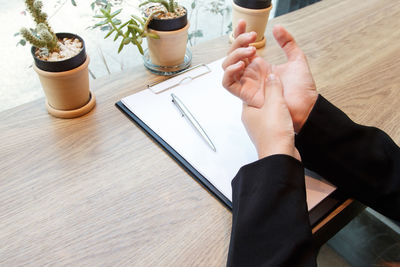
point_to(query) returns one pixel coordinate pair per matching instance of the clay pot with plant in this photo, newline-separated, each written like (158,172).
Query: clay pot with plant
(255,13)
(164,25)
(171,25)
(61,62)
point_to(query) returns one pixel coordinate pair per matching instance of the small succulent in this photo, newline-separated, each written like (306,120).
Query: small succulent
(133,31)
(43,36)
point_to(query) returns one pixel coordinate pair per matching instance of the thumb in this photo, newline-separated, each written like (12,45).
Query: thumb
(273,88)
(287,43)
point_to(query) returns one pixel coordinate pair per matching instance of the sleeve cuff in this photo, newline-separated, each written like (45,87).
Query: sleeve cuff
(279,168)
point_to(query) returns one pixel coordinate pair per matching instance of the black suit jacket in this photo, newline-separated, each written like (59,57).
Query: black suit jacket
(270,217)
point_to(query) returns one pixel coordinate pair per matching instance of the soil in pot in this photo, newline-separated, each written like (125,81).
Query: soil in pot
(69,47)
(72,54)
(167,21)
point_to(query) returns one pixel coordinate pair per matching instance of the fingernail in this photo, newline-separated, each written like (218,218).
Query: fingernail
(239,63)
(251,48)
(271,77)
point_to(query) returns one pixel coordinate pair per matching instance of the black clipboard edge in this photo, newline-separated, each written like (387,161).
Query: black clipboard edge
(176,156)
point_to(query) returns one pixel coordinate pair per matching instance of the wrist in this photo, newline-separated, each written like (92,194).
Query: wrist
(284,148)
(300,119)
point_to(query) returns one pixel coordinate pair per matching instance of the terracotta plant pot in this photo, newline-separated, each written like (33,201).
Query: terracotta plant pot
(255,13)
(66,83)
(170,48)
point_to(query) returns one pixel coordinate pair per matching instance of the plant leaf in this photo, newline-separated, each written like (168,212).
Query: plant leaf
(136,28)
(101,23)
(109,33)
(116,13)
(136,18)
(21,42)
(116,21)
(121,46)
(73,2)
(105,28)
(105,12)
(135,42)
(153,35)
(123,25)
(127,41)
(139,46)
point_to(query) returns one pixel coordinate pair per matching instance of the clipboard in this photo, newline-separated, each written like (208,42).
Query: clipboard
(184,83)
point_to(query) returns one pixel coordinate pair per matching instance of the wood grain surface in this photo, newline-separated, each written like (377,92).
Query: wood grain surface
(97,191)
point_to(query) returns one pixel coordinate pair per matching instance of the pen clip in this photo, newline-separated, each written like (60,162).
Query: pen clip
(177,105)
(198,72)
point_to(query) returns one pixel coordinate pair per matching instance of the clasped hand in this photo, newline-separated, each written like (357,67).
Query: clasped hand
(277,99)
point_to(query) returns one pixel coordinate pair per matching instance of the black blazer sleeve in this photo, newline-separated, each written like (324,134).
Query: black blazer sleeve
(364,162)
(270,217)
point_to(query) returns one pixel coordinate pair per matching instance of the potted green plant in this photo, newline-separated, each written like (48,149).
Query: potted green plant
(164,25)
(61,62)
(255,13)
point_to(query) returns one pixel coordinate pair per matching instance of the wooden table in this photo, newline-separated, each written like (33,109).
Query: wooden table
(97,191)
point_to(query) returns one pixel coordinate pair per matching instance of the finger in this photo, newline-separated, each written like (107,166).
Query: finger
(231,75)
(243,40)
(240,28)
(239,54)
(273,88)
(287,43)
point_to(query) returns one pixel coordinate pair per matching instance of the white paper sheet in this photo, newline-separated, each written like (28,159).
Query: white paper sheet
(219,113)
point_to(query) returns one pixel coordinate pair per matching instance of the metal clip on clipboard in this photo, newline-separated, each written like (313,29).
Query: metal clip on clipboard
(176,80)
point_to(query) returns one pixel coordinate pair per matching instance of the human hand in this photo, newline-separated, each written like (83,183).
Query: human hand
(299,87)
(245,74)
(270,127)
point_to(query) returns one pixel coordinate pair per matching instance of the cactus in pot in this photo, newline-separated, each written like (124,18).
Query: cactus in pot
(62,65)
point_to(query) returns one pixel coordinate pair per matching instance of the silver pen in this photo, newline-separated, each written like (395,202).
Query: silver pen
(186,113)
